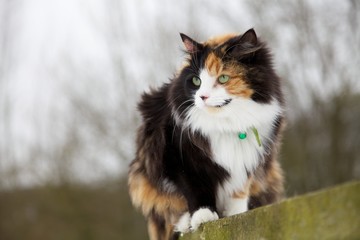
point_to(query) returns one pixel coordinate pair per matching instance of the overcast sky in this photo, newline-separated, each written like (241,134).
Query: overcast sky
(51,38)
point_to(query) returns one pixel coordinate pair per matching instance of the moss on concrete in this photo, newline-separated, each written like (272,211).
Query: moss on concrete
(328,214)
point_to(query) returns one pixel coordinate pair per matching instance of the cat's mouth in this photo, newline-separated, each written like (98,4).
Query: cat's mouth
(226,102)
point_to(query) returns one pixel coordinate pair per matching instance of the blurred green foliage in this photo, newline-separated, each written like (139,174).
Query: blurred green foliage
(70,212)
(321,147)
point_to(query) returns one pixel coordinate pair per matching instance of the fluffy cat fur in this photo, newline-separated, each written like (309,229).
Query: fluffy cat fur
(190,165)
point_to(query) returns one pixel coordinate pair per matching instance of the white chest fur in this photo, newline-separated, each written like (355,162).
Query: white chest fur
(237,156)
(222,128)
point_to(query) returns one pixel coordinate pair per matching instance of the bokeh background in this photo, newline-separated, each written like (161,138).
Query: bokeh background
(72,71)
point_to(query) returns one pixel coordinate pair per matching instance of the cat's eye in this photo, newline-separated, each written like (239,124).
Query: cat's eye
(223,79)
(196,81)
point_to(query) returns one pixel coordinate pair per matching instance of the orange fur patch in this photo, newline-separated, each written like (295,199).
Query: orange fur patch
(272,181)
(159,234)
(218,40)
(236,85)
(275,177)
(213,65)
(245,192)
(240,195)
(256,188)
(152,230)
(147,197)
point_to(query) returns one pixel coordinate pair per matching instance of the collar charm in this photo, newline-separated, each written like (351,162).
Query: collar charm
(243,135)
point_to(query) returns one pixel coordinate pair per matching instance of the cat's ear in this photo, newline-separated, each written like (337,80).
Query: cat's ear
(191,45)
(249,37)
(245,45)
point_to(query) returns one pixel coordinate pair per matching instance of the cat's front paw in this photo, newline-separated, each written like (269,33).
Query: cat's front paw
(183,225)
(202,215)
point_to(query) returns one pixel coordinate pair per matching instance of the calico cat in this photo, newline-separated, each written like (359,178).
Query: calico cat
(207,147)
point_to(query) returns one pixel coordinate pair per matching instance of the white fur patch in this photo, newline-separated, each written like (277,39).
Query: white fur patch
(235,206)
(239,115)
(228,206)
(216,96)
(202,215)
(183,225)
(222,126)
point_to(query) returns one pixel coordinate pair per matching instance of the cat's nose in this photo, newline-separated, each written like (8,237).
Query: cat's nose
(204,97)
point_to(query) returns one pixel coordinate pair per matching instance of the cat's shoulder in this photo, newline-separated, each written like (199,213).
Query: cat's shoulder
(154,106)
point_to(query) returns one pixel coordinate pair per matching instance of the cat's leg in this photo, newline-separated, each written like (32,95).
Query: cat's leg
(201,204)
(202,207)
(238,201)
(158,227)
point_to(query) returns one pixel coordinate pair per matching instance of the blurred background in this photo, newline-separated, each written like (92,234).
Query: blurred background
(72,71)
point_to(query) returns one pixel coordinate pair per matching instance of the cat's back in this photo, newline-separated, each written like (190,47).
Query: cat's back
(154,107)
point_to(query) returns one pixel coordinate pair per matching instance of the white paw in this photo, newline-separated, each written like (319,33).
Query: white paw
(202,215)
(183,225)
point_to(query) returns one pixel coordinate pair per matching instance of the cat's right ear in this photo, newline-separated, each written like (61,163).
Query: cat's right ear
(191,45)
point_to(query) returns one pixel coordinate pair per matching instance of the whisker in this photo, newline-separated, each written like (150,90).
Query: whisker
(177,109)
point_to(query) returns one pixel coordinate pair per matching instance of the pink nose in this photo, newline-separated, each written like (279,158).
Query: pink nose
(204,97)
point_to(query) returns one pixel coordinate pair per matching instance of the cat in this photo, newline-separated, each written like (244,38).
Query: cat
(207,147)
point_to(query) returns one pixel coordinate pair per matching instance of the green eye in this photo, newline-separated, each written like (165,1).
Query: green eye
(223,78)
(196,81)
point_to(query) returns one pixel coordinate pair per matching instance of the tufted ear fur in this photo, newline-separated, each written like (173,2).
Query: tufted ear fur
(191,45)
(249,37)
(244,45)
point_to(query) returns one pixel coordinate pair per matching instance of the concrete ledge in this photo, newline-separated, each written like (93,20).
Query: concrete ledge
(332,213)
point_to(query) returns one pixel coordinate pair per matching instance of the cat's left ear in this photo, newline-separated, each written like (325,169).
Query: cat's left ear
(191,45)
(245,44)
(249,37)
